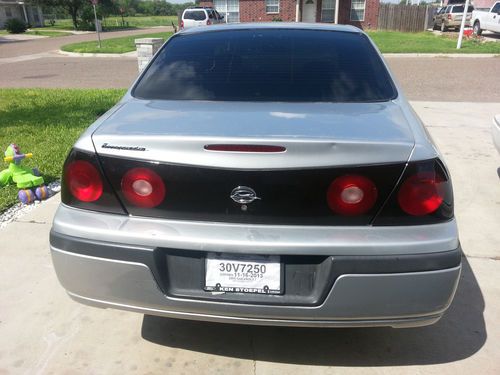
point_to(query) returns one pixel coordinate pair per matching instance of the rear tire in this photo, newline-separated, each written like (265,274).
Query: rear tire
(435,26)
(477,28)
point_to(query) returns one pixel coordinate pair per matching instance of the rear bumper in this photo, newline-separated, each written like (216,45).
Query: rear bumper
(372,290)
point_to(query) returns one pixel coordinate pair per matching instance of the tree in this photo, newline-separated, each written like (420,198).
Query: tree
(73,7)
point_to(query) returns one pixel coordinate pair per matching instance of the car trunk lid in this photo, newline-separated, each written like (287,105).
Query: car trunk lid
(322,142)
(314,135)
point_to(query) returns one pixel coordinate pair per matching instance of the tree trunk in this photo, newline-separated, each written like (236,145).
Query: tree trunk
(73,10)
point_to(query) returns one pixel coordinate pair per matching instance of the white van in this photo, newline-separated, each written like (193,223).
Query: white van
(193,17)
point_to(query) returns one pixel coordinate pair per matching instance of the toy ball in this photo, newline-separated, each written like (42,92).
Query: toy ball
(26,196)
(42,192)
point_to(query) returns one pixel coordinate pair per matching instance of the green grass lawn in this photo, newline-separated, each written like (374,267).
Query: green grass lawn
(112,23)
(146,21)
(47,122)
(387,42)
(113,45)
(47,33)
(426,42)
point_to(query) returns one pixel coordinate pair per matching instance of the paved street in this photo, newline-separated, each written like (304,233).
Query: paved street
(36,63)
(30,47)
(42,331)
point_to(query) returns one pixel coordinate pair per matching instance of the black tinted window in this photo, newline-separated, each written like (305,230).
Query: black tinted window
(268,65)
(460,9)
(197,15)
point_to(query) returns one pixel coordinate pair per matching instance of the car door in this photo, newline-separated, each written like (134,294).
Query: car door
(211,16)
(437,17)
(494,19)
(444,15)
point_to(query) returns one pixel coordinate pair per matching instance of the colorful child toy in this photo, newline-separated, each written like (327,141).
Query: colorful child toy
(28,180)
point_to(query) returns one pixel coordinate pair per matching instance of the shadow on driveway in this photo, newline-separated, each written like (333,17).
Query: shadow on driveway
(458,335)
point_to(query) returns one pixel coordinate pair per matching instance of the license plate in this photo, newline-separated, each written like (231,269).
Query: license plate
(243,274)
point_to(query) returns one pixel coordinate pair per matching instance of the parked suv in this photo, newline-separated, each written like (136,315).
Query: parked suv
(451,17)
(193,17)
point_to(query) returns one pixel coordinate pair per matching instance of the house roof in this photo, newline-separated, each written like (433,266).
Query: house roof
(273,25)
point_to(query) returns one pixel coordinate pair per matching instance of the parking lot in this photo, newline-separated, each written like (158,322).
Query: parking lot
(42,331)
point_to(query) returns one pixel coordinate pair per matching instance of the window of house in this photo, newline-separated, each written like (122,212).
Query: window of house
(229,8)
(8,12)
(272,6)
(358,10)
(328,11)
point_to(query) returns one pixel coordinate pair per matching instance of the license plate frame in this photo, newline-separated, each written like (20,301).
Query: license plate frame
(237,285)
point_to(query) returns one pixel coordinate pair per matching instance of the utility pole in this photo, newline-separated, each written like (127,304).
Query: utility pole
(94,3)
(462,25)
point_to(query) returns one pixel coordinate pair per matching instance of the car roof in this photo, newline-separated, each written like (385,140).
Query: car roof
(272,25)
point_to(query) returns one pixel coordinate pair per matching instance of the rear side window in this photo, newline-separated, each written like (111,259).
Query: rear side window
(268,65)
(460,9)
(196,15)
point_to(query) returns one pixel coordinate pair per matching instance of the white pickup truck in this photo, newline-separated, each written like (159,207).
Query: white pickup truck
(486,20)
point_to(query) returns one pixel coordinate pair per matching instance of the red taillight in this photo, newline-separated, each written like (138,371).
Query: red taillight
(84,181)
(421,194)
(449,16)
(143,187)
(351,195)
(182,24)
(209,22)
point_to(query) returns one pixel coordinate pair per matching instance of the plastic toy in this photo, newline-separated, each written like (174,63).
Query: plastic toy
(28,180)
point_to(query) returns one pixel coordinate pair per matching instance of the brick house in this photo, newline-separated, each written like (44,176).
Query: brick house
(360,13)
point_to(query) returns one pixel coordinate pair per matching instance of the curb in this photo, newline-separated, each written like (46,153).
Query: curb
(132,54)
(448,55)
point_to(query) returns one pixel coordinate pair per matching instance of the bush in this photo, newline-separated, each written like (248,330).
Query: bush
(15,26)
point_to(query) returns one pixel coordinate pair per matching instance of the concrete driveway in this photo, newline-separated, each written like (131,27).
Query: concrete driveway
(42,331)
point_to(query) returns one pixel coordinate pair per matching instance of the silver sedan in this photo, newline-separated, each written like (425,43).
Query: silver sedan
(267,174)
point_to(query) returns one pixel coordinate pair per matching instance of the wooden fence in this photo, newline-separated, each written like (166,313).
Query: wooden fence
(409,18)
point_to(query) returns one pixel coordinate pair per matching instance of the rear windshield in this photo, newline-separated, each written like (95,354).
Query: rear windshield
(268,65)
(460,9)
(197,15)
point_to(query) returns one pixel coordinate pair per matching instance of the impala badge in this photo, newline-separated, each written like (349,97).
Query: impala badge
(243,195)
